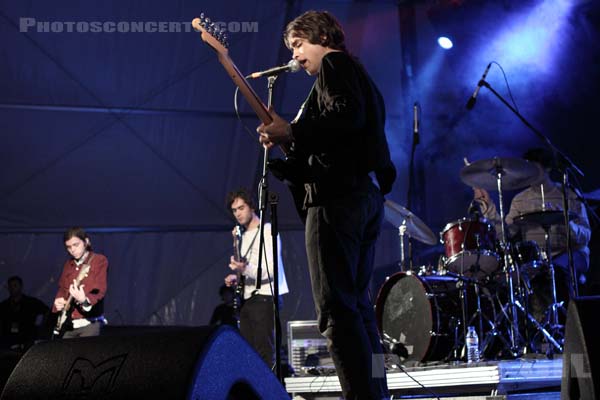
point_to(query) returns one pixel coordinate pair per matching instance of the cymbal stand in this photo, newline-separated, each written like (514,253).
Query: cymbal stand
(401,232)
(402,229)
(554,326)
(463,284)
(460,349)
(508,269)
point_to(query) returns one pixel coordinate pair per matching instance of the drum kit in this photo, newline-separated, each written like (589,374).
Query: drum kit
(483,279)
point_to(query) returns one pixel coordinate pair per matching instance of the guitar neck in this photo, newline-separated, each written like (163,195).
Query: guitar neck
(250,95)
(218,43)
(247,91)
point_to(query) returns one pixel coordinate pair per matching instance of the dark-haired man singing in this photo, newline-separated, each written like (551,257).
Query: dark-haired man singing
(336,144)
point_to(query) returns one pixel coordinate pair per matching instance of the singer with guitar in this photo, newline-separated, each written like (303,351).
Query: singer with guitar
(337,147)
(256,317)
(79,302)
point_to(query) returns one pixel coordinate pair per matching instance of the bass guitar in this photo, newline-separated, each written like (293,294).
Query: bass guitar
(238,297)
(288,169)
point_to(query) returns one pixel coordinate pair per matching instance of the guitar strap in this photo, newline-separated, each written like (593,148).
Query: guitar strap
(89,260)
(251,244)
(302,109)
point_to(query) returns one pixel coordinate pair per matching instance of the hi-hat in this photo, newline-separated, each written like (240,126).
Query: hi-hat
(398,215)
(516,173)
(543,218)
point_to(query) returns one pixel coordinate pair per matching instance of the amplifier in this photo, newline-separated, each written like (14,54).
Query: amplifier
(307,348)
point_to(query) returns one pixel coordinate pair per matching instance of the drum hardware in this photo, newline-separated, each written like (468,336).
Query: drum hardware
(541,329)
(477,315)
(529,257)
(469,245)
(504,174)
(428,270)
(410,225)
(545,219)
(415,227)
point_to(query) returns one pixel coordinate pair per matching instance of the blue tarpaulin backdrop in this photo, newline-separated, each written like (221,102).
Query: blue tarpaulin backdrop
(133,134)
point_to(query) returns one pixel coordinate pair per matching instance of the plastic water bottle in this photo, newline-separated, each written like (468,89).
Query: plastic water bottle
(472,341)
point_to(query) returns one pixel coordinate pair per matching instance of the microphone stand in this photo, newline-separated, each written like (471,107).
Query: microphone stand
(410,189)
(262,205)
(566,165)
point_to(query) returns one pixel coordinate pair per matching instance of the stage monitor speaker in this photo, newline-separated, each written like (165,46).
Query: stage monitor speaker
(176,363)
(8,362)
(581,364)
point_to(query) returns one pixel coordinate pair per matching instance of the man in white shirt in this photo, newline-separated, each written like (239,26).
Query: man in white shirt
(256,316)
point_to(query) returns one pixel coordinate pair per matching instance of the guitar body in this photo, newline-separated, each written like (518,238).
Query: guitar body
(238,296)
(290,172)
(63,322)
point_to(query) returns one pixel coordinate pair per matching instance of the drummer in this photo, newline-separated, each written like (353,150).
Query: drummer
(545,195)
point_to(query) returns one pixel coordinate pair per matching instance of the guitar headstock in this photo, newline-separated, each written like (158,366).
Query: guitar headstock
(211,34)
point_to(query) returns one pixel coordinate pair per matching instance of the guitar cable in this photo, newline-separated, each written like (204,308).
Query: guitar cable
(237,113)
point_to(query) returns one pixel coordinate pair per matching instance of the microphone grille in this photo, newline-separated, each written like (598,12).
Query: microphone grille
(294,65)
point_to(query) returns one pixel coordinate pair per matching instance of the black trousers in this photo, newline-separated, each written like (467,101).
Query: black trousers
(257,326)
(340,244)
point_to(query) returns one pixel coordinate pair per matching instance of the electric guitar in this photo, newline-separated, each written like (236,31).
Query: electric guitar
(65,314)
(238,297)
(288,169)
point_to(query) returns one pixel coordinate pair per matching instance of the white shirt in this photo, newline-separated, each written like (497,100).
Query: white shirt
(249,251)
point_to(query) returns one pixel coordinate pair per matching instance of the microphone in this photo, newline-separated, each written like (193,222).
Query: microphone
(416,118)
(473,98)
(292,66)
(416,108)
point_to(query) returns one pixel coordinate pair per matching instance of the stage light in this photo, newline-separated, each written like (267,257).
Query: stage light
(445,42)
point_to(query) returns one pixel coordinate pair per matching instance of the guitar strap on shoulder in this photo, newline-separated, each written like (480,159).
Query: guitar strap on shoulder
(89,260)
(249,251)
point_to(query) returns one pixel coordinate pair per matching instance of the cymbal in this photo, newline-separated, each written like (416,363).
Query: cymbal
(543,218)
(516,173)
(415,228)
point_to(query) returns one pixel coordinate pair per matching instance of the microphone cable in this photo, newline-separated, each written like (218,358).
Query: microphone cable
(391,343)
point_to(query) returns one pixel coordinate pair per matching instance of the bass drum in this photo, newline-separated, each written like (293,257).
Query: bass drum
(418,313)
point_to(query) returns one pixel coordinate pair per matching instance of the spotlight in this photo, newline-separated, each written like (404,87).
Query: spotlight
(445,43)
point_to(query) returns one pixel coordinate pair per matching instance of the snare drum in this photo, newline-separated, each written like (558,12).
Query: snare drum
(416,312)
(468,243)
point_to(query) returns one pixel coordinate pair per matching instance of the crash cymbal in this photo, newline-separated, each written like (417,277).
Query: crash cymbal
(516,173)
(415,228)
(543,218)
